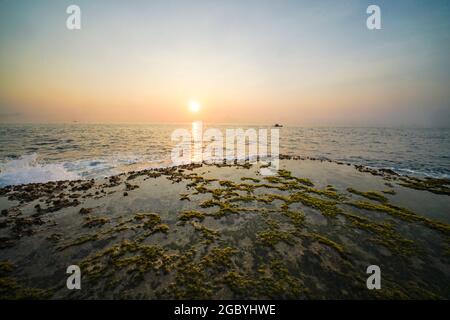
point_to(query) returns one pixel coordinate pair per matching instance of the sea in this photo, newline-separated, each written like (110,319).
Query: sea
(32,153)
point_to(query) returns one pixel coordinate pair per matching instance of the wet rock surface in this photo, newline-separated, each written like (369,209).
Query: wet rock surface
(225,231)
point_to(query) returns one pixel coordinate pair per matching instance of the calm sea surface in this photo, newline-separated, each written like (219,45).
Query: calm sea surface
(39,153)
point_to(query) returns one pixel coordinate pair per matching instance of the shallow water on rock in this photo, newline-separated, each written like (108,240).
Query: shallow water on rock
(226,232)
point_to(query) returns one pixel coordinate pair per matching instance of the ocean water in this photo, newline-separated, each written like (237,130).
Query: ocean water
(40,153)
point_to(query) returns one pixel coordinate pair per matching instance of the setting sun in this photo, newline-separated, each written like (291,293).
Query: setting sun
(194,106)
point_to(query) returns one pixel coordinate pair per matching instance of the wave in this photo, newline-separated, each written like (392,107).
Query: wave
(27,169)
(30,169)
(421,174)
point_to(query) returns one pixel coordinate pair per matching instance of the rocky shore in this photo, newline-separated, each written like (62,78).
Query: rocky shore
(224,231)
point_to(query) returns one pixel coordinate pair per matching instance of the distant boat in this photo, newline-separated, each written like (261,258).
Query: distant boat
(277,125)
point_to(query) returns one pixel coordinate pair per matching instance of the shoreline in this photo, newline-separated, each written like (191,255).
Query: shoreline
(443,181)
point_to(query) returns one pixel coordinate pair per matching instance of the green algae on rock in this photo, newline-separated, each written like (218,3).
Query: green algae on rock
(438,186)
(372,195)
(10,289)
(402,213)
(189,215)
(227,232)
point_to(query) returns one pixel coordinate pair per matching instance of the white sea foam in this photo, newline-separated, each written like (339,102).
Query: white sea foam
(27,169)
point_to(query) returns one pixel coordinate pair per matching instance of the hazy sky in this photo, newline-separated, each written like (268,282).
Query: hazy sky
(249,61)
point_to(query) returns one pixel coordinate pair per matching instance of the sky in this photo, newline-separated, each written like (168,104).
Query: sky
(305,63)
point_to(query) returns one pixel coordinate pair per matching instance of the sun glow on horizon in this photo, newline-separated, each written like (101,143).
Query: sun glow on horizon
(194,106)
